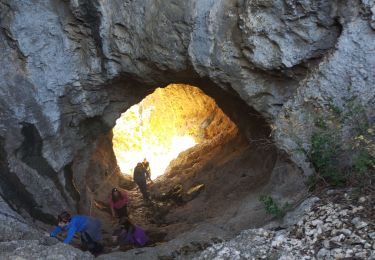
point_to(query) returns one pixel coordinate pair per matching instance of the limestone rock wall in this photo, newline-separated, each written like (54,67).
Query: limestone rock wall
(69,68)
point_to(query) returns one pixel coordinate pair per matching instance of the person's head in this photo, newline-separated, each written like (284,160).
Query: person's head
(144,160)
(63,219)
(139,164)
(116,194)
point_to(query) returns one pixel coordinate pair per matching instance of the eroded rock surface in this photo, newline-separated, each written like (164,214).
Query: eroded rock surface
(68,69)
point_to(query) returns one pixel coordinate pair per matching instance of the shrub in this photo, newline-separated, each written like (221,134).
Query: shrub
(325,154)
(364,162)
(272,208)
(342,147)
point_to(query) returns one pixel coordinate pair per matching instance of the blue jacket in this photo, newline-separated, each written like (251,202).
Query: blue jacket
(81,224)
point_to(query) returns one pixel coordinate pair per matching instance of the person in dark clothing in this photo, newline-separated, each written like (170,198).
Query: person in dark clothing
(140,177)
(89,228)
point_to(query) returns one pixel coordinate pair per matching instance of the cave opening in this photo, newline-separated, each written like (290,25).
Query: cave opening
(211,157)
(184,135)
(166,123)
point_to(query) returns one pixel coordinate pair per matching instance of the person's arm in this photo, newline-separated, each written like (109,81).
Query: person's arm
(71,232)
(56,231)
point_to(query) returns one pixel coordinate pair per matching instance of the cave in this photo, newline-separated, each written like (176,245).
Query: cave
(269,72)
(211,157)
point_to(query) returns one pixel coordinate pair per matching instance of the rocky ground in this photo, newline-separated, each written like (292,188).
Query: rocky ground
(335,224)
(339,225)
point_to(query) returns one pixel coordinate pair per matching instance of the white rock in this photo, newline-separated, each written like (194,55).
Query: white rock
(327,244)
(356,209)
(349,253)
(355,239)
(309,232)
(337,223)
(343,212)
(338,253)
(346,231)
(355,220)
(361,224)
(317,223)
(372,235)
(362,199)
(358,223)
(323,252)
(362,254)
(338,238)
(278,241)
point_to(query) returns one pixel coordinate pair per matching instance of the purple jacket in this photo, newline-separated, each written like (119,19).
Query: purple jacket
(138,237)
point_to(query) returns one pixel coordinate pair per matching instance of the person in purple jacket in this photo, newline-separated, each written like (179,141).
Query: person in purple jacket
(89,228)
(130,234)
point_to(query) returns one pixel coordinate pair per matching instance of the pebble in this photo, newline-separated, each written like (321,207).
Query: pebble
(317,222)
(323,252)
(356,209)
(327,244)
(362,254)
(338,238)
(362,199)
(278,241)
(349,253)
(338,253)
(345,231)
(358,223)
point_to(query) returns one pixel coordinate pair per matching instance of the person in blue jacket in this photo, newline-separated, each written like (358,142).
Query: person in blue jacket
(89,228)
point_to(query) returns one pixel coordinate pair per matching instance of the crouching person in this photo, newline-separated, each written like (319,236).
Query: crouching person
(89,229)
(129,235)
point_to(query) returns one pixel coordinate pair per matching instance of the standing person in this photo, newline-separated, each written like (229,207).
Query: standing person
(118,202)
(139,177)
(89,229)
(146,165)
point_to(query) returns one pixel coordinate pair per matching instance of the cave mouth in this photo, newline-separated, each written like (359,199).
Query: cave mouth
(211,183)
(165,123)
(194,150)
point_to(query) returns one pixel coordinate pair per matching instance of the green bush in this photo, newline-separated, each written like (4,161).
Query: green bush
(342,147)
(272,208)
(325,154)
(364,162)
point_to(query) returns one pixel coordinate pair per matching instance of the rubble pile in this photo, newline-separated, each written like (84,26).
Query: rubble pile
(338,226)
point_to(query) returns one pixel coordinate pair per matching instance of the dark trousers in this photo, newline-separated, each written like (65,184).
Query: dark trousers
(143,188)
(122,212)
(89,244)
